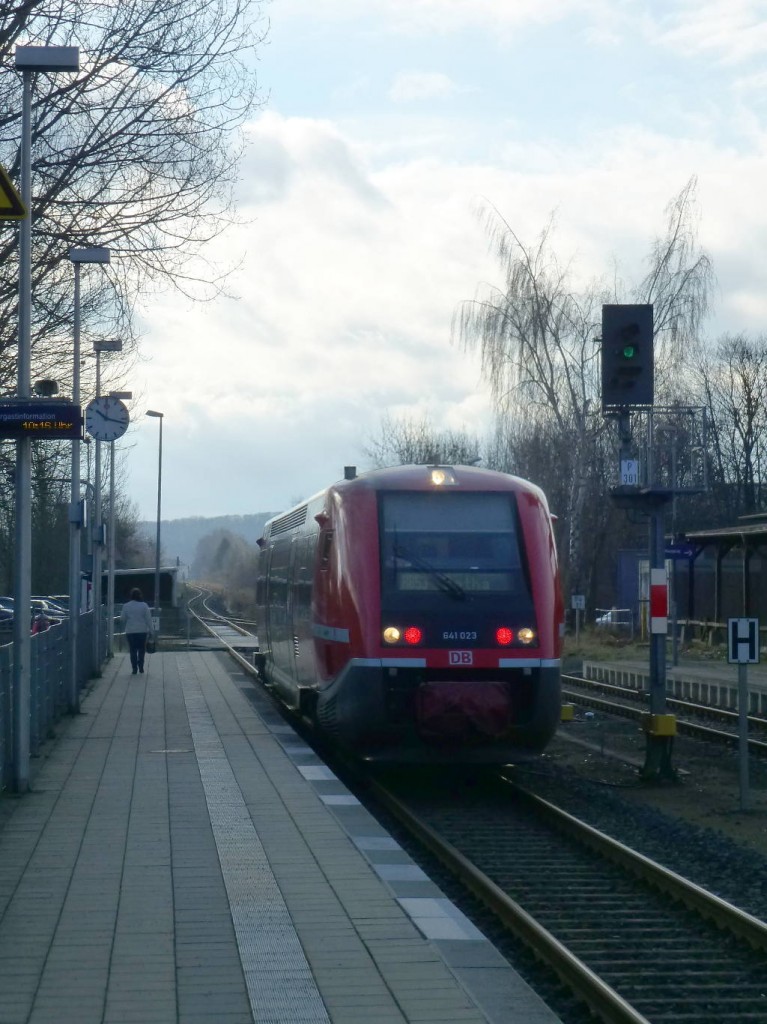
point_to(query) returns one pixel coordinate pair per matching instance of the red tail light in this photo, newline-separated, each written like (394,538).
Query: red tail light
(413,635)
(504,636)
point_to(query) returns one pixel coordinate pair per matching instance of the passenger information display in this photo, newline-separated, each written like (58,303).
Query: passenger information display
(46,420)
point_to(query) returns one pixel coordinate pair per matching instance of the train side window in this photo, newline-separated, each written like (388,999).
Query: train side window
(325,548)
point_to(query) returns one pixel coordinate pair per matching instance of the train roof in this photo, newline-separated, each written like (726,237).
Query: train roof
(406,478)
(418,477)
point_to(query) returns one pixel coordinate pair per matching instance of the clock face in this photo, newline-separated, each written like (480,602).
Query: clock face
(106,418)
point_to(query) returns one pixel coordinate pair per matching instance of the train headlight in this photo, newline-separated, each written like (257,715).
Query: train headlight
(392,635)
(442,476)
(504,636)
(526,635)
(413,635)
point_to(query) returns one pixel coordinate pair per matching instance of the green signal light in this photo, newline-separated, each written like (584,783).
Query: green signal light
(629,351)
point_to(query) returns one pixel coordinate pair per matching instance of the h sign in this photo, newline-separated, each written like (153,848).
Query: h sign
(743,641)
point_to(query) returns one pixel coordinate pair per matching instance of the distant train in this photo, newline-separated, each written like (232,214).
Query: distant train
(415,614)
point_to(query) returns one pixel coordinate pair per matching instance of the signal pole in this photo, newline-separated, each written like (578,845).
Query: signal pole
(628,383)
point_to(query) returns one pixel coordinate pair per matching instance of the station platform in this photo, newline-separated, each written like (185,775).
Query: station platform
(182,857)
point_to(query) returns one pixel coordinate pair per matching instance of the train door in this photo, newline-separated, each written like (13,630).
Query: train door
(280,615)
(301,609)
(263,575)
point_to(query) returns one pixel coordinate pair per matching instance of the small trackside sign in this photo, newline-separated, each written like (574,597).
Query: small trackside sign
(743,646)
(658,601)
(460,657)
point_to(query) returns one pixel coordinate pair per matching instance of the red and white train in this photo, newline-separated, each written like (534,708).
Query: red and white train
(415,614)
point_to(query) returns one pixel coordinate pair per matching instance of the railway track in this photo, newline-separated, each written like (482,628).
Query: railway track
(625,702)
(635,942)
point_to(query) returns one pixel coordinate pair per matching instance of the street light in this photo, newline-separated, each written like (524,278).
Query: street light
(29,60)
(123,396)
(160,416)
(103,345)
(94,254)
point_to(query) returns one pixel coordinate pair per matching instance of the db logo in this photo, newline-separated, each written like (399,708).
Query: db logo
(461,657)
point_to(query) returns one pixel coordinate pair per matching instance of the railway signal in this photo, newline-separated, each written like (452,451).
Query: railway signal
(627,355)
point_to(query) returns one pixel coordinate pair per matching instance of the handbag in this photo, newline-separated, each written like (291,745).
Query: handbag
(151,645)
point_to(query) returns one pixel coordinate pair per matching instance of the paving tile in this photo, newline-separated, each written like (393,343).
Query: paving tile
(138,898)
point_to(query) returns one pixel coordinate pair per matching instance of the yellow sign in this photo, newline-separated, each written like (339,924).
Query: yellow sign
(11,205)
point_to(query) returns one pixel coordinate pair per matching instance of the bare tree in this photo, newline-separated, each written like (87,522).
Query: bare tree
(417,442)
(137,152)
(536,339)
(536,336)
(733,385)
(677,284)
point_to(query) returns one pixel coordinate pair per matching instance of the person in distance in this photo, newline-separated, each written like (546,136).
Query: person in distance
(136,620)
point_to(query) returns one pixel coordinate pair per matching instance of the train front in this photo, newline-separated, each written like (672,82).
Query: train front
(459,624)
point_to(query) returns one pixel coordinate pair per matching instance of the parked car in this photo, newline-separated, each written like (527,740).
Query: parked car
(51,609)
(614,618)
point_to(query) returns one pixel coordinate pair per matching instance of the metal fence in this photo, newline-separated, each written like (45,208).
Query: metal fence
(49,685)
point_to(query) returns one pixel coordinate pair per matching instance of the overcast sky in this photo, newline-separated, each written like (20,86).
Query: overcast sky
(386,124)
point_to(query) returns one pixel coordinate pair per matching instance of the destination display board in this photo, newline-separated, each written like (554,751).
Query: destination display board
(46,420)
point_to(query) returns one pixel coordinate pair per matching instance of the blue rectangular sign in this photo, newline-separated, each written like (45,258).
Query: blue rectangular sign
(41,418)
(680,551)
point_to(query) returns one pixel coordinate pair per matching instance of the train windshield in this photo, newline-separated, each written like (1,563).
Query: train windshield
(458,543)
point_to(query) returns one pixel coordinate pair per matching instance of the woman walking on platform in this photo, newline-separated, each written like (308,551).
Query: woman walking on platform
(136,621)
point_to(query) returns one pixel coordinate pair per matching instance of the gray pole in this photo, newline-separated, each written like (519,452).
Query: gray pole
(28,59)
(111,529)
(22,577)
(156,601)
(657,640)
(96,583)
(77,257)
(74,520)
(111,556)
(157,539)
(745,796)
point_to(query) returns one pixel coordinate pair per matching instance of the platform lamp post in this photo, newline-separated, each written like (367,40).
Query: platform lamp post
(156,604)
(121,396)
(29,60)
(94,254)
(103,345)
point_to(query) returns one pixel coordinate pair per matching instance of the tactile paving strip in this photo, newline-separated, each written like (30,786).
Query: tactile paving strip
(280,983)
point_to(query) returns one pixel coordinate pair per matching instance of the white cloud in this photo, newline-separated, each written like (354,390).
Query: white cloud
(358,240)
(448,15)
(349,283)
(419,85)
(731,30)
(344,305)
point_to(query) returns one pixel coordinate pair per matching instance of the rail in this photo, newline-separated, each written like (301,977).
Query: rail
(584,981)
(683,726)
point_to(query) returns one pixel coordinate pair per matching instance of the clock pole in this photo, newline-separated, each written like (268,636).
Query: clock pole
(106,419)
(111,532)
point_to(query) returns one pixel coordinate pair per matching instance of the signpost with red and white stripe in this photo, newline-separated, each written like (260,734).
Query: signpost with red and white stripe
(658,601)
